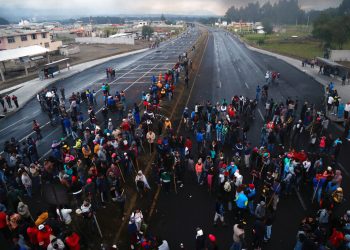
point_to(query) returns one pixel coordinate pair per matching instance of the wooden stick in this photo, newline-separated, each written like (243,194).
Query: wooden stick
(121,173)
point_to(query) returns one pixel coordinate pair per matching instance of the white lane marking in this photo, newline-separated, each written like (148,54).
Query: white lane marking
(300,199)
(246,84)
(344,169)
(9,126)
(261,115)
(141,77)
(239,70)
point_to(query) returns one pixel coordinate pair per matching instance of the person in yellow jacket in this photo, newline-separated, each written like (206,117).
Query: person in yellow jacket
(86,151)
(77,145)
(42,218)
(167,123)
(96,147)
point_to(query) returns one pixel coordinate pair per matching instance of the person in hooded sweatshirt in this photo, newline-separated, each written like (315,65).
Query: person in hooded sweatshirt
(23,210)
(260,210)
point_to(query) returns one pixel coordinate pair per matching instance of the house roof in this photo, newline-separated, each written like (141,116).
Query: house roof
(11,54)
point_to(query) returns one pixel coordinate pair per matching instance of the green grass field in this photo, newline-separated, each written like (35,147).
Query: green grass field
(282,42)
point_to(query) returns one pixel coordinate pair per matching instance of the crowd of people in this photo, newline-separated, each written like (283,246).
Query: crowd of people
(6,102)
(95,161)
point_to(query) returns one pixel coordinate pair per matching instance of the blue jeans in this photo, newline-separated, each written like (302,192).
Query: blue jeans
(251,207)
(268,232)
(236,246)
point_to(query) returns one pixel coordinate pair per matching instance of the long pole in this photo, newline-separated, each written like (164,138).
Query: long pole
(174,178)
(315,191)
(121,173)
(97,225)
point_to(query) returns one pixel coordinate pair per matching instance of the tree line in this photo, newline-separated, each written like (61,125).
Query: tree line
(281,12)
(332,26)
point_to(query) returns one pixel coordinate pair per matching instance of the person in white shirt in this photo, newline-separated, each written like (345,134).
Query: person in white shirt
(64,215)
(330,102)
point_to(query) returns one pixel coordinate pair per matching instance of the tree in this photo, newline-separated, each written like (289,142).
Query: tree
(323,29)
(162,18)
(340,30)
(267,26)
(344,7)
(147,31)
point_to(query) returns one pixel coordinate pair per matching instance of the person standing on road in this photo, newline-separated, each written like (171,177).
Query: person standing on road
(187,79)
(67,125)
(62,93)
(15,100)
(258,91)
(2,102)
(37,130)
(219,212)
(8,100)
(238,236)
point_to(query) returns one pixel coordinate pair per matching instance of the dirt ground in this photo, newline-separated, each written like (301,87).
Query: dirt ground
(88,52)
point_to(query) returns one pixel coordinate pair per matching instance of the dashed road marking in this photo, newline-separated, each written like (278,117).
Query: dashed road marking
(246,84)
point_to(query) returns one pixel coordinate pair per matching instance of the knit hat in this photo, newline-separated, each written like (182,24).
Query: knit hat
(212,238)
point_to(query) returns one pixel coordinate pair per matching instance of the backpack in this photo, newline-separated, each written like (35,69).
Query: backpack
(227,186)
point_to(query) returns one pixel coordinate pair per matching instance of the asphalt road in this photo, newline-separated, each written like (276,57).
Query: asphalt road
(229,68)
(133,75)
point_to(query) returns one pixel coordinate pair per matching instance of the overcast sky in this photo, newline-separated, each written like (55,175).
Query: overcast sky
(109,7)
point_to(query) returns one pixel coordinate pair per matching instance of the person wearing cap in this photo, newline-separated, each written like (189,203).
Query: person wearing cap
(241,204)
(251,193)
(43,236)
(328,173)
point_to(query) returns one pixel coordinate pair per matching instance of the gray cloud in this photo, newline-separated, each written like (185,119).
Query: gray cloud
(148,6)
